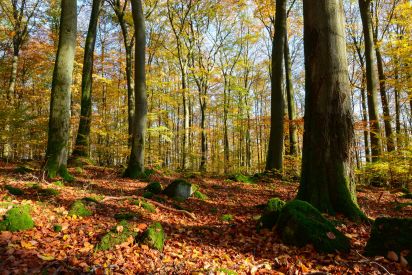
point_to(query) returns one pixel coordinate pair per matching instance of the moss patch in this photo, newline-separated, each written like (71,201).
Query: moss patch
(227,217)
(145,205)
(79,208)
(126,216)
(390,234)
(48,192)
(154,236)
(199,195)
(57,228)
(24,169)
(242,178)
(271,213)
(154,187)
(148,195)
(91,199)
(14,191)
(17,218)
(116,236)
(58,183)
(299,223)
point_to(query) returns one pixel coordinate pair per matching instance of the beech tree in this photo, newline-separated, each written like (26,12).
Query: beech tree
(136,161)
(328,137)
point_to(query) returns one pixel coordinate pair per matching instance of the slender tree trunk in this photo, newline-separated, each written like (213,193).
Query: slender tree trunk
(203,144)
(365,120)
(328,137)
(274,159)
(293,133)
(397,110)
(186,119)
(136,160)
(59,120)
(371,79)
(81,148)
(226,153)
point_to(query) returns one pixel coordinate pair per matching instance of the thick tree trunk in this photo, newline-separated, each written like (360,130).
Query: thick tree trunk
(371,79)
(293,133)
(274,160)
(136,160)
(59,120)
(328,137)
(81,148)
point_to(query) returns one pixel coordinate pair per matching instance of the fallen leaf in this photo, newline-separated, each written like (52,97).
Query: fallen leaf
(392,256)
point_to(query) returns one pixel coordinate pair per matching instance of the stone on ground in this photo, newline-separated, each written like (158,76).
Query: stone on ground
(271,213)
(18,218)
(154,236)
(180,189)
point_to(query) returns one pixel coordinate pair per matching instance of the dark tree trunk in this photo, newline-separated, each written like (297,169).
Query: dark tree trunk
(81,148)
(328,137)
(274,159)
(59,120)
(136,160)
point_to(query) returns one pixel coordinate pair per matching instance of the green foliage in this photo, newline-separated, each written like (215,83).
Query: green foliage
(126,216)
(116,236)
(227,217)
(145,205)
(200,195)
(14,190)
(242,178)
(226,271)
(154,236)
(300,223)
(57,228)
(79,209)
(271,213)
(58,183)
(17,218)
(393,169)
(154,187)
(148,195)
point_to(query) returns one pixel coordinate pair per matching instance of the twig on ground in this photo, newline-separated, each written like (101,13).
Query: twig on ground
(371,262)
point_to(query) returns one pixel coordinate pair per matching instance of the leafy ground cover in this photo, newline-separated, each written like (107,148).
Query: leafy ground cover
(201,242)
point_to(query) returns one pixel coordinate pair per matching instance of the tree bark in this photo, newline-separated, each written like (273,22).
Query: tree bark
(371,80)
(274,160)
(59,120)
(136,160)
(328,137)
(81,148)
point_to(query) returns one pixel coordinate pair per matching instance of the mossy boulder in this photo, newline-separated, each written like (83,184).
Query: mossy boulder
(242,178)
(14,190)
(154,187)
(300,223)
(390,234)
(18,218)
(271,213)
(145,205)
(154,236)
(147,195)
(79,209)
(180,188)
(48,192)
(117,235)
(126,216)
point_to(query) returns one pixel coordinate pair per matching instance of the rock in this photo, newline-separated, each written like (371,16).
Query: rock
(392,256)
(300,223)
(180,189)
(79,209)
(18,218)
(390,235)
(154,187)
(117,235)
(153,237)
(271,213)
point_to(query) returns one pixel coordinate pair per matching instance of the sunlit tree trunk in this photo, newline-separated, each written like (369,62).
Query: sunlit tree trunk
(328,137)
(81,148)
(136,160)
(274,160)
(59,120)
(371,79)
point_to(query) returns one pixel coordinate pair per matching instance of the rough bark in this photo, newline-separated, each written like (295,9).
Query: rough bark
(136,161)
(81,148)
(274,160)
(371,79)
(328,137)
(59,120)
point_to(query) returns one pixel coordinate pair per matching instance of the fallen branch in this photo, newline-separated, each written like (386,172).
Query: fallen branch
(366,260)
(187,213)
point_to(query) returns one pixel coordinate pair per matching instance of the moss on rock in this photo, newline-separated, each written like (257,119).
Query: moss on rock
(148,195)
(200,195)
(48,192)
(79,208)
(390,234)
(17,218)
(126,216)
(300,223)
(145,205)
(154,187)
(271,213)
(154,236)
(117,235)
(14,191)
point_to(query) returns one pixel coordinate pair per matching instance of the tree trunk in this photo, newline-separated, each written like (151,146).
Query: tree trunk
(328,137)
(59,120)
(136,160)
(203,144)
(274,159)
(293,133)
(371,79)
(81,148)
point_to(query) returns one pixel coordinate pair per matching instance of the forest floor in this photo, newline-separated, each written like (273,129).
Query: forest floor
(204,245)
